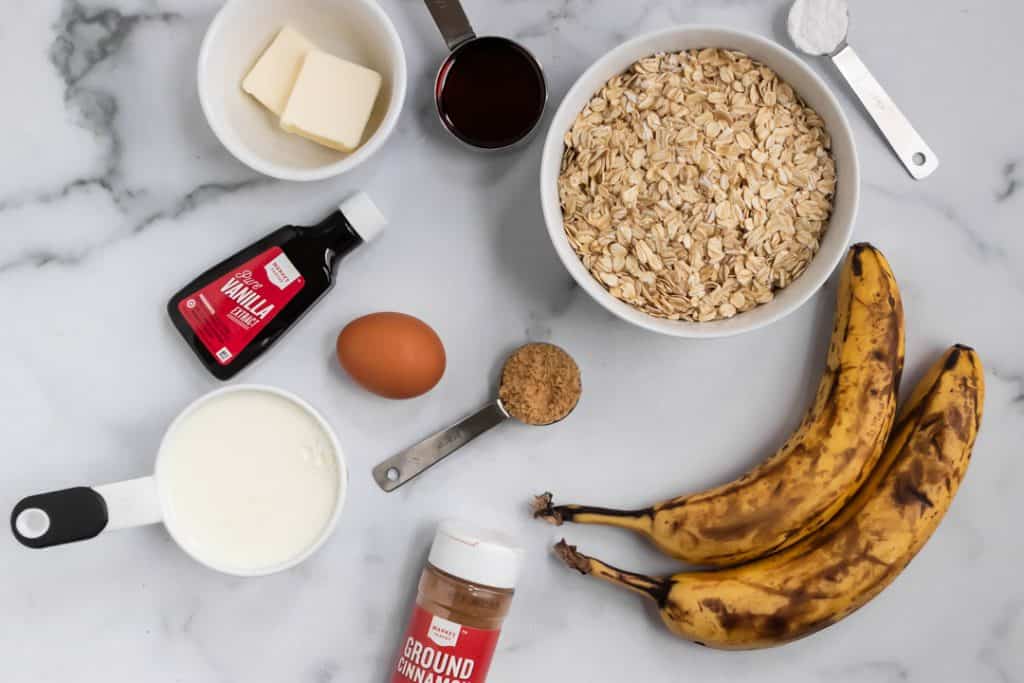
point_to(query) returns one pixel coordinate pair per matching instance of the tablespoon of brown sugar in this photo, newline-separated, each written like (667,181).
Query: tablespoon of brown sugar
(540,385)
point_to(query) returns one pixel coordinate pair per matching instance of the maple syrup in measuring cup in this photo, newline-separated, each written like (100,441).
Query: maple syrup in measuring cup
(490,92)
(239,308)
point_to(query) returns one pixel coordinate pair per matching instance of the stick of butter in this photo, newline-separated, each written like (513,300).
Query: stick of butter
(270,80)
(331,101)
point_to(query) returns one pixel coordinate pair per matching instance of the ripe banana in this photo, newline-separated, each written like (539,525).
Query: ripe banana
(839,568)
(818,469)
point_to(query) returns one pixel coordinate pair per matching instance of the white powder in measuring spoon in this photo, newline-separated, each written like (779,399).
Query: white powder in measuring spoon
(818,26)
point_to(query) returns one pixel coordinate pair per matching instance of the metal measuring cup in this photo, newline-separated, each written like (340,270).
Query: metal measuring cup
(403,467)
(458,34)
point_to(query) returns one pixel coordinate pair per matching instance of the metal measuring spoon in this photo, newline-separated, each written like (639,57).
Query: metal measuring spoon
(401,468)
(831,18)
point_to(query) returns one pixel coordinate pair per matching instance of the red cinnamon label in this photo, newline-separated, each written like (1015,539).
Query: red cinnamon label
(228,313)
(437,650)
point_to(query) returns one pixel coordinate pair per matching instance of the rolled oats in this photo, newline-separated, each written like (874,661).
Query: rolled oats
(696,184)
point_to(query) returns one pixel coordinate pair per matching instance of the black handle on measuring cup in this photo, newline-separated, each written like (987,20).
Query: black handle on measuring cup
(58,517)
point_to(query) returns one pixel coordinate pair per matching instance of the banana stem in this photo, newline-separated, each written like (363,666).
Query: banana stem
(656,589)
(636,520)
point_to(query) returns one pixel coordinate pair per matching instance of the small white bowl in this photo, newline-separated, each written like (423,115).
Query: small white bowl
(357,30)
(806,83)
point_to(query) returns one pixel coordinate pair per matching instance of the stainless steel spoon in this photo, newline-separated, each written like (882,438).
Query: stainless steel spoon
(917,157)
(413,461)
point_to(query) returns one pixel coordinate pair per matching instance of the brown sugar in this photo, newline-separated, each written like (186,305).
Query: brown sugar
(540,384)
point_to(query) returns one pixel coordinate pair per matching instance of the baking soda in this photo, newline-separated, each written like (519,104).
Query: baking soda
(818,26)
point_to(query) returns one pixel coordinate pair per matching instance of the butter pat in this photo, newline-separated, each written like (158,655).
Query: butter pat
(270,80)
(331,101)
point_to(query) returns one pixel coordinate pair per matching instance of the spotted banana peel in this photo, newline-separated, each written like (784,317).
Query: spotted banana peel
(818,469)
(840,567)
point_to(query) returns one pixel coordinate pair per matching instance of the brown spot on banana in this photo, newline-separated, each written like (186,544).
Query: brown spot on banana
(856,252)
(819,467)
(907,492)
(956,420)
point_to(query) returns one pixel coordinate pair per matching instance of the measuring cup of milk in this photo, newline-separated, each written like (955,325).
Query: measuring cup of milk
(249,480)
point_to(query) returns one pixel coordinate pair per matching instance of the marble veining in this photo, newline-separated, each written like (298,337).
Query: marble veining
(1010,182)
(115,192)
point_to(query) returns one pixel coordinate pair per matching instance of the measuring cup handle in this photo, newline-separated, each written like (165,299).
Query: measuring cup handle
(83,512)
(399,469)
(451,21)
(917,157)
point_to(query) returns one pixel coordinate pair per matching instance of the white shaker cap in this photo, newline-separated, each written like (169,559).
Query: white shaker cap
(363,215)
(472,553)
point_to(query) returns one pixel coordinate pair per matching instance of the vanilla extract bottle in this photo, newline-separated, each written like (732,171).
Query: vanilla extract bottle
(236,310)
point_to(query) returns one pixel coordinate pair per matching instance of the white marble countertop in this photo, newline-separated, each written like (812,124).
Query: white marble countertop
(114,193)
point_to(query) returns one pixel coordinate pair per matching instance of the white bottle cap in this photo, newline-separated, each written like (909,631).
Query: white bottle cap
(363,215)
(482,556)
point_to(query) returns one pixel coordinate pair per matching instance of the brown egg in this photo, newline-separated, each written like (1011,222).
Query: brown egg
(392,354)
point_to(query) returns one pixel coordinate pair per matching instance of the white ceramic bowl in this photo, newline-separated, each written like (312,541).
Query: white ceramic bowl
(357,30)
(806,83)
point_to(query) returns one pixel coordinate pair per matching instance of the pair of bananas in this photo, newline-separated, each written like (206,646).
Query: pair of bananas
(832,517)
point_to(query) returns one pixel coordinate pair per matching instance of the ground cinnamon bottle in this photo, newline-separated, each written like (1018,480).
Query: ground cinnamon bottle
(464,594)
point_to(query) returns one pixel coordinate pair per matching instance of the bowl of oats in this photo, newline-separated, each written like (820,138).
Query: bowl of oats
(700,181)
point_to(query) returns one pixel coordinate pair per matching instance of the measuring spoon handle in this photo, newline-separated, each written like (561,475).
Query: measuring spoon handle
(918,158)
(451,21)
(400,468)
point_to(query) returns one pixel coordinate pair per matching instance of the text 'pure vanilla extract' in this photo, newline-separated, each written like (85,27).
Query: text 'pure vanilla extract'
(240,307)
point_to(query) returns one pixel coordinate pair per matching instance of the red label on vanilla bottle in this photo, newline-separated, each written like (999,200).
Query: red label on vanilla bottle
(437,650)
(229,312)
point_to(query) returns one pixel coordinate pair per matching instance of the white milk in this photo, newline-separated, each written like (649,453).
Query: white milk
(249,480)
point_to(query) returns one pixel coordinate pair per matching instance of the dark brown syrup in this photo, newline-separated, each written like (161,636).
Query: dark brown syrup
(491,92)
